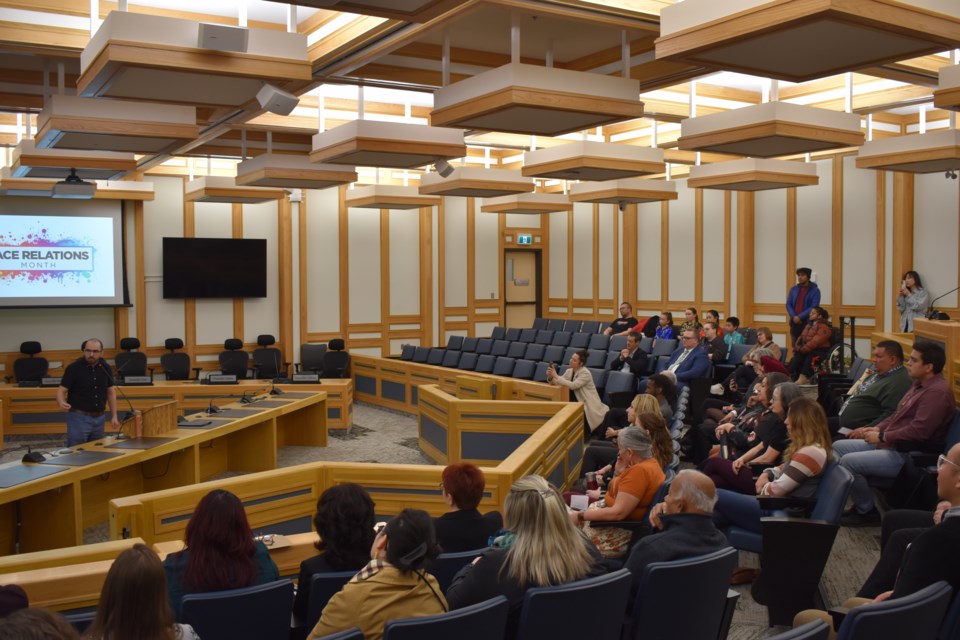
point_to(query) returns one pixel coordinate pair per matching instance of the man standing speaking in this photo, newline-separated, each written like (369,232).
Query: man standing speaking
(84,393)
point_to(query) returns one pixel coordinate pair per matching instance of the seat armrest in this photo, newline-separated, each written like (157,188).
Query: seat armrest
(771,503)
(838,614)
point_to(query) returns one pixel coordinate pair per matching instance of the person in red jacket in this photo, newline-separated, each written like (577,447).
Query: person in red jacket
(813,342)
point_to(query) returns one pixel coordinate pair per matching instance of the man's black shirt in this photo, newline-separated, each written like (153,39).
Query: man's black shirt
(622,324)
(86,386)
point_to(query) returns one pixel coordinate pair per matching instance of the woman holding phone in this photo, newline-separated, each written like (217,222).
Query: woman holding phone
(913,300)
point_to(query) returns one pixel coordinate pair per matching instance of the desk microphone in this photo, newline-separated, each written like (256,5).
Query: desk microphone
(130,414)
(273,383)
(933,314)
(213,409)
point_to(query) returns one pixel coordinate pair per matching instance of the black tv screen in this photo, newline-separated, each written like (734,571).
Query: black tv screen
(214,268)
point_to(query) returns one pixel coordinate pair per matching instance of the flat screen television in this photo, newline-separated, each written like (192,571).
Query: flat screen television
(214,268)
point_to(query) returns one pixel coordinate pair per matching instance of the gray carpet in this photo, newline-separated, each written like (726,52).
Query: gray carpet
(384,436)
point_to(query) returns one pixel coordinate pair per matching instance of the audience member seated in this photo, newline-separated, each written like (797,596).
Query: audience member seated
(735,425)
(36,624)
(714,409)
(649,328)
(134,603)
(600,453)
(579,380)
(713,344)
(799,475)
(761,447)
(731,333)
(734,384)
(814,342)
(12,598)
(665,329)
(664,390)
(542,548)
(632,358)
(637,476)
(920,422)
(220,552)
(875,396)
(394,584)
(463,527)
(932,556)
(691,321)
(622,325)
(712,315)
(689,361)
(684,521)
(344,521)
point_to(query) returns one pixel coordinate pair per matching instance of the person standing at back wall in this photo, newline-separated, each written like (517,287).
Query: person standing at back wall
(912,301)
(803,296)
(85,392)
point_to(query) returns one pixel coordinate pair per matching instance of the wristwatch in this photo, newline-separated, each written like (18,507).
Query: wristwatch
(881,436)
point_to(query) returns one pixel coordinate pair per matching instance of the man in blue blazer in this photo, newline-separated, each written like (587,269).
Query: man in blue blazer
(689,361)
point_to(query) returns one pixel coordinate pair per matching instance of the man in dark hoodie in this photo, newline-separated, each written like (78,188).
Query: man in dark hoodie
(803,296)
(685,521)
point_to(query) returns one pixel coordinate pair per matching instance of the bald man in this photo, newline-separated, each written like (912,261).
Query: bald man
(933,555)
(685,523)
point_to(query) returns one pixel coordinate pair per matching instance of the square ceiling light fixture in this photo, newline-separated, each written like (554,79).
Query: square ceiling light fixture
(924,153)
(70,122)
(29,162)
(400,145)
(947,95)
(800,40)
(293,171)
(527,203)
(591,160)
(476,182)
(771,129)
(225,189)
(388,196)
(136,56)
(753,174)
(624,191)
(529,99)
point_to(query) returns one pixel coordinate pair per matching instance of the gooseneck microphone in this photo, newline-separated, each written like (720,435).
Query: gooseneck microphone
(932,313)
(273,383)
(212,408)
(132,412)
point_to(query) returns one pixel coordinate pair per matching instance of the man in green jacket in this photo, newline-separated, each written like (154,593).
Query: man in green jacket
(877,396)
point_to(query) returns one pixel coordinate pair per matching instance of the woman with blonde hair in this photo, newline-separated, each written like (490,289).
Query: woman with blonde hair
(542,548)
(804,461)
(601,453)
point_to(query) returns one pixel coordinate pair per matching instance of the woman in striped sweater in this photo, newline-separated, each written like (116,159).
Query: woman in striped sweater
(799,475)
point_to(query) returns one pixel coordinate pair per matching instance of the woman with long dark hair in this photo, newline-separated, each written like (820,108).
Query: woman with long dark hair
(912,301)
(133,601)
(220,551)
(344,521)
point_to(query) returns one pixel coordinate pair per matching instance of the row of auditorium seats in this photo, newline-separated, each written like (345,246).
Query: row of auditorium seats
(596,326)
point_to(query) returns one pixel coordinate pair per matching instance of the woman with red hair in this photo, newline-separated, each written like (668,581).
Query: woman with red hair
(220,551)
(464,528)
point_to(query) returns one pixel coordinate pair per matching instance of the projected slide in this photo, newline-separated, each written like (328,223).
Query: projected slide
(59,260)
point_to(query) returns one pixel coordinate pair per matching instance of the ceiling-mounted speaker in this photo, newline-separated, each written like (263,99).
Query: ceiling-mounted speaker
(276,100)
(222,38)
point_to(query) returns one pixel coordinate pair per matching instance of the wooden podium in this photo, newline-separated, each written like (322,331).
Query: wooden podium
(158,419)
(946,333)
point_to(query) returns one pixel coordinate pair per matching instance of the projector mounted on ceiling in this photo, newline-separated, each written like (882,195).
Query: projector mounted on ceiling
(74,187)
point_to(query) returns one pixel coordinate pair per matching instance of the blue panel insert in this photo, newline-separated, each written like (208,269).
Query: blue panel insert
(366,384)
(393,390)
(39,418)
(415,395)
(575,455)
(490,446)
(333,412)
(433,433)
(246,503)
(556,476)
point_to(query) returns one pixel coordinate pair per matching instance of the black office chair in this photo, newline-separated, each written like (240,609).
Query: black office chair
(31,370)
(233,359)
(267,360)
(311,358)
(336,361)
(176,364)
(130,362)
(260,611)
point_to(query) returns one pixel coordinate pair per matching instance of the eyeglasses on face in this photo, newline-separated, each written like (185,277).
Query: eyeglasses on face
(945,460)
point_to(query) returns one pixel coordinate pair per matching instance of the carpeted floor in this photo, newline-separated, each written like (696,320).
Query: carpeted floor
(384,436)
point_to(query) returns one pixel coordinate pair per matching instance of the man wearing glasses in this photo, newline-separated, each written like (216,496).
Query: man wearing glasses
(689,361)
(84,393)
(919,423)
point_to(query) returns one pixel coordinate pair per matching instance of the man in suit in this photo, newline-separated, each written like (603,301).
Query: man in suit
(632,359)
(689,361)
(920,422)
